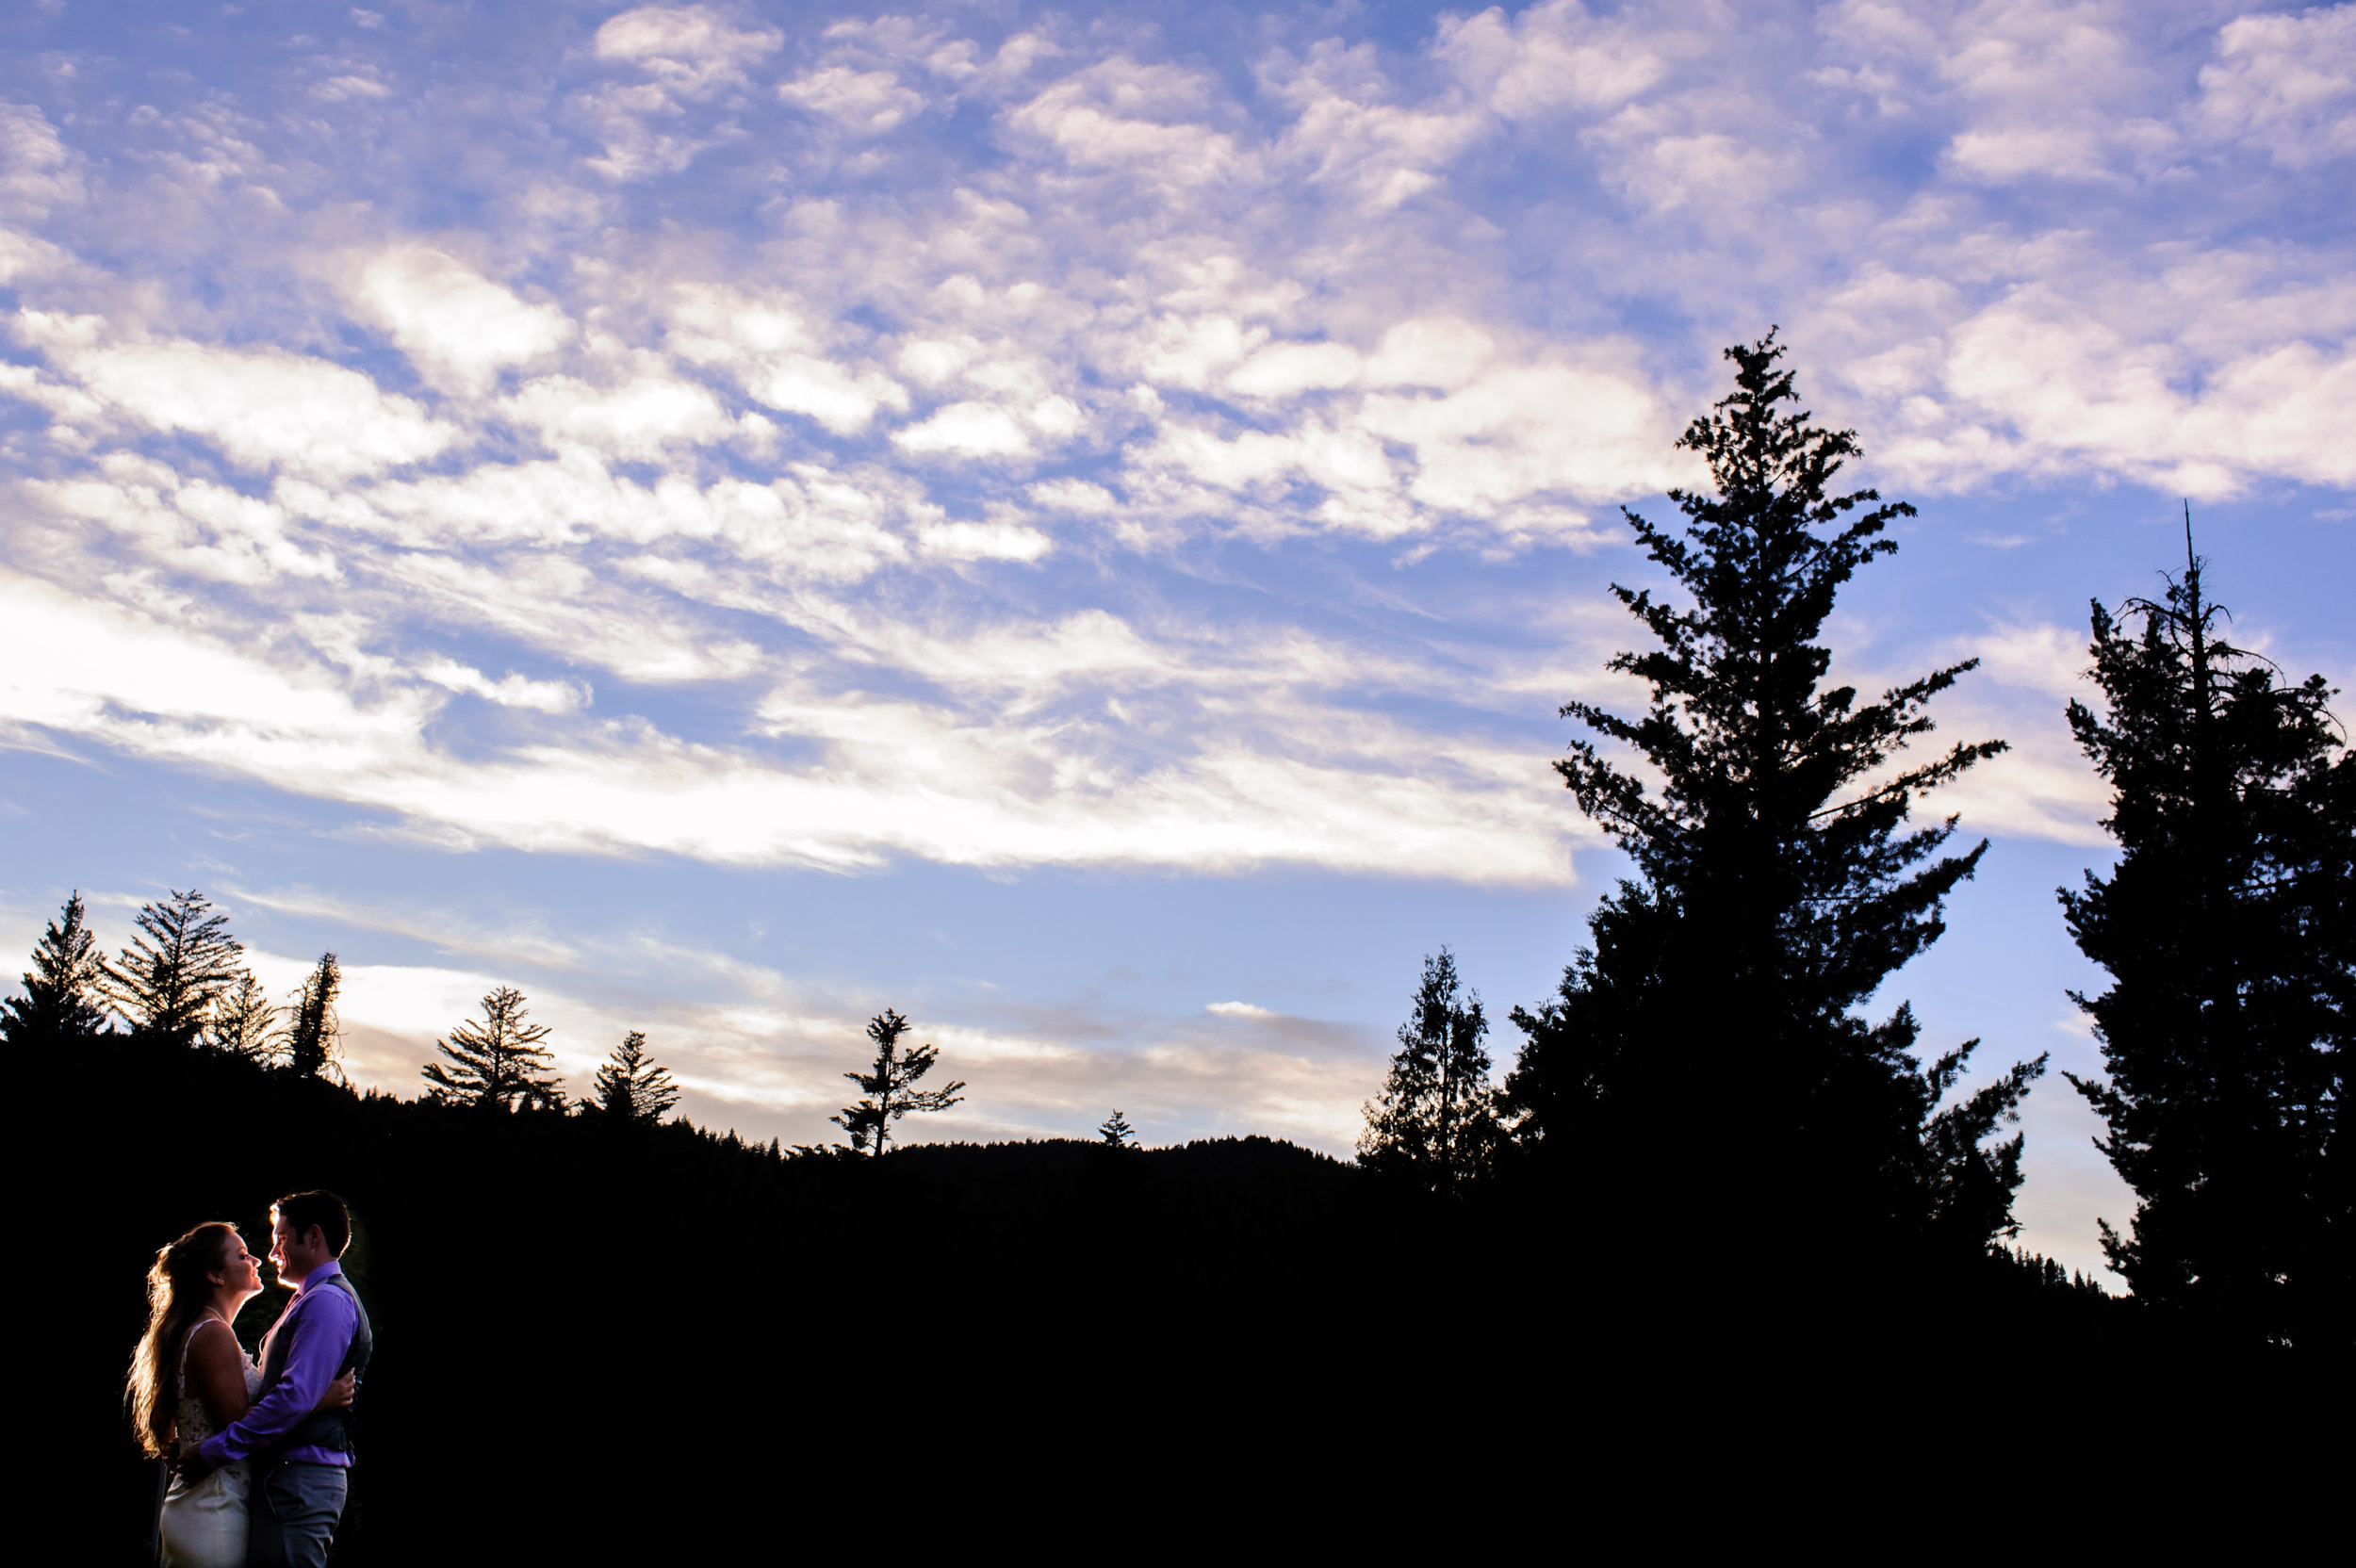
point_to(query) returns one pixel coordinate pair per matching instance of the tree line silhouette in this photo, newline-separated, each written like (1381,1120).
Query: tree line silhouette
(179,984)
(1701,1141)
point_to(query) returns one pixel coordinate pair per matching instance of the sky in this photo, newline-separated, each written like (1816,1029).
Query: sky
(1075,523)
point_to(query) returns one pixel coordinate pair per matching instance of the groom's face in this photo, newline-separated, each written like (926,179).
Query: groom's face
(294,1257)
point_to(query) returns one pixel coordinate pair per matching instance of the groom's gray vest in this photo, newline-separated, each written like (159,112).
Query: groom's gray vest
(324,1428)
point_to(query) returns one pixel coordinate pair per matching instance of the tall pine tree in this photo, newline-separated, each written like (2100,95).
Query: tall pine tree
(312,1047)
(498,1064)
(889,1088)
(64,1000)
(629,1087)
(244,1023)
(2229,929)
(1703,1064)
(1435,1123)
(180,961)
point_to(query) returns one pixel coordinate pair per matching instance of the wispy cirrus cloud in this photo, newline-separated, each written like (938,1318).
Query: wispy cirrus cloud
(955,408)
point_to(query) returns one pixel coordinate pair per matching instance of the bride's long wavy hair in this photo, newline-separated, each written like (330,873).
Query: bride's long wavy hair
(177,1290)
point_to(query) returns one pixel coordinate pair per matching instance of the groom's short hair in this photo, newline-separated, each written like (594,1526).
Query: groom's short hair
(302,1210)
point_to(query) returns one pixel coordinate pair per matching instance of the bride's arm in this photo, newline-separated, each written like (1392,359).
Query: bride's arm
(217,1371)
(339,1393)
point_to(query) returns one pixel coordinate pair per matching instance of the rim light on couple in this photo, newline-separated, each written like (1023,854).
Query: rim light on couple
(256,1452)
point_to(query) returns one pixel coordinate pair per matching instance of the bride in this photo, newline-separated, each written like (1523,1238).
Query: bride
(191,1379)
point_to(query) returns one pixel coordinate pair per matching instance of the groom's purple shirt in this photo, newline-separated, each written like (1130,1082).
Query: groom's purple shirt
(318,1325)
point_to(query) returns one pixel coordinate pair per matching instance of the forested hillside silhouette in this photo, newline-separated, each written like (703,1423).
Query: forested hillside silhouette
(1703,1155)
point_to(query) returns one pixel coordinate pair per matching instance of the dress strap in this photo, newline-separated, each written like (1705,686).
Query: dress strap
(189,1338)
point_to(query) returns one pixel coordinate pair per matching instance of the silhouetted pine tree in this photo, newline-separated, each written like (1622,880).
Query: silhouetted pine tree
(632,1088)
(891,1088)
(313,1043)
(243,1021)
(498,1064)
(1116,1131)
(2229,929)
(181,959)
(64,991)
(1434,1123)
(1701,1062)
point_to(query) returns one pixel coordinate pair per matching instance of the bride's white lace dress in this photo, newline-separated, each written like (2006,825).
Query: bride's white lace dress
(205,1525)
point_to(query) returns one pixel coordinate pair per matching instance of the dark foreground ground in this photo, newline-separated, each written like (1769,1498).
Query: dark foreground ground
(606,1334)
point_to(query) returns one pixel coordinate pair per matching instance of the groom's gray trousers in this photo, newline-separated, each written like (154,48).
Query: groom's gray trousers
(296,1510)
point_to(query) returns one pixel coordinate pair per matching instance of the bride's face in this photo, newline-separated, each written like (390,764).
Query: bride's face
(240,1272)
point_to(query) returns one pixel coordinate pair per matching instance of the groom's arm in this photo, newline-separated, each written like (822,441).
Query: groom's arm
(322,1333)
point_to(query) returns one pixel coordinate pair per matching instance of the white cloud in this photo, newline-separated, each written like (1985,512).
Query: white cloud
(1078,496)
(1594,431)
(1283,368)
(37,171)
(453,322)
(767,345)
(867,102)
(1121,114)
(2288,84)
(965,430)
(689,49)
(206,530)
(637,420)
(983,541)
(509,691)
(263,408)
(150,688)
(2047,380)
(1185,352)
(801,384)
(933,362)
(1351,136)
(1552,57)
(691,58)
(1443,352)
(900,778)
(340,88)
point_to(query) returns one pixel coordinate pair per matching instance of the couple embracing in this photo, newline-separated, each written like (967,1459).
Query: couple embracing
(260,1453)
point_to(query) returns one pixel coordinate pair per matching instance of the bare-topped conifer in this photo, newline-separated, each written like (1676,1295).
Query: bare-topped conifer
(498,1064)
(890,1088)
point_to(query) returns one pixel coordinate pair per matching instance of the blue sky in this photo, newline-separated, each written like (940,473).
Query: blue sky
(1075,522)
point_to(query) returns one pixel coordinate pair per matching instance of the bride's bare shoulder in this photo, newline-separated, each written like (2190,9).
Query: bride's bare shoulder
(218,1371)
(213,1341)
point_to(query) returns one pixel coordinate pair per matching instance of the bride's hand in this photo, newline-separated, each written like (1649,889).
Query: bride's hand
(338,1393)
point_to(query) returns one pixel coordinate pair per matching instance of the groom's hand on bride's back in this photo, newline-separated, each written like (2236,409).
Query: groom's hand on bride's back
(185,1461)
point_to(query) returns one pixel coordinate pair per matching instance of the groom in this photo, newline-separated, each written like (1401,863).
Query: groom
(301,1456)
